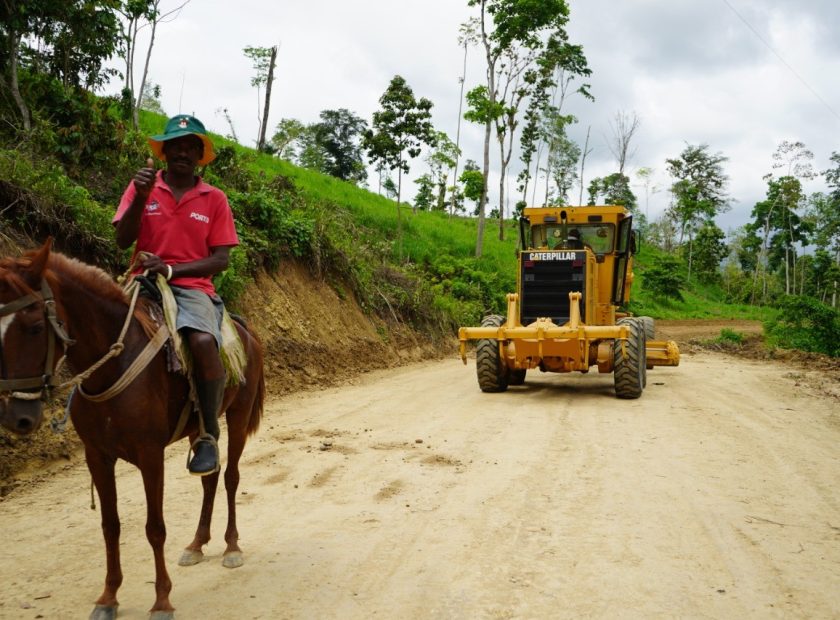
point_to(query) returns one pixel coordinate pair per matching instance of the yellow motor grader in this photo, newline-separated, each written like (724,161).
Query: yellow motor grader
(575,271)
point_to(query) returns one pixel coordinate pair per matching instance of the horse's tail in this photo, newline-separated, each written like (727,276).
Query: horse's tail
(257,354)
(257,408)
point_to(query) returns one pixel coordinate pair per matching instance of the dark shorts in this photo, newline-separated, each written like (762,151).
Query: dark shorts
(199,311)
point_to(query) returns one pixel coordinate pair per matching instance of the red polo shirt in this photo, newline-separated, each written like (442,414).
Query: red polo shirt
(184,231)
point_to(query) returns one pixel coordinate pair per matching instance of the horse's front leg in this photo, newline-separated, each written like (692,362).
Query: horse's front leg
(101,469)
(152,470)
(193,553)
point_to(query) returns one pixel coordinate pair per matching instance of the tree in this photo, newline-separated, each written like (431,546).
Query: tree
(622,134)
(467,35)
(517,25)
(699,188)
(425,195)
(339,134)
(68,41)
(390,187)
(778,212)
(663,277)
(548,98)
(442,158)
(662,233)
(311,153)
(825,212)
(613,189)
(398,132)
(150,99)
(795,160)
(645,174)
(287,132)
(137,15)
(709,251)
(473,183)
(781,227)
(563,155)
(563,166)
(264,60)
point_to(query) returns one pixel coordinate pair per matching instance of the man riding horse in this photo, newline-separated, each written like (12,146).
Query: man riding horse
(184,231)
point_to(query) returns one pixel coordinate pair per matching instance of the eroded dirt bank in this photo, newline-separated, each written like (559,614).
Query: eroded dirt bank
(408,493)
(313,338)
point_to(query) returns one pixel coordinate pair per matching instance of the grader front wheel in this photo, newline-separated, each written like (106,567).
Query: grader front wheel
(493,374)
(630,364)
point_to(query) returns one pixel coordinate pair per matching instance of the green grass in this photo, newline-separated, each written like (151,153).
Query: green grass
(356,232)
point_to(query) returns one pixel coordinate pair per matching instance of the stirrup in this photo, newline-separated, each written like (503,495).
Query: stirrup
(206,438)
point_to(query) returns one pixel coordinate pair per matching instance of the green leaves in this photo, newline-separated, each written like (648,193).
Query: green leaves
(663,278)
(261,61)
(400,127)
(481,109)
(807,324)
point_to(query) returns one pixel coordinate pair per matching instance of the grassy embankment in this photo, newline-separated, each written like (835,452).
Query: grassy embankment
(426,276)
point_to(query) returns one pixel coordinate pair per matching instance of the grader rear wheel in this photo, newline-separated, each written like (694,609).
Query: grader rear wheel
(630,366)
(493,374)
(650,327)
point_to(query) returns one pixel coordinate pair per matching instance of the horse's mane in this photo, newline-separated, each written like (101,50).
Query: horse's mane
(88,276)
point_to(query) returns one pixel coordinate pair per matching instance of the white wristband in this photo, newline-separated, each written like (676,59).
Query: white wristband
(168,273)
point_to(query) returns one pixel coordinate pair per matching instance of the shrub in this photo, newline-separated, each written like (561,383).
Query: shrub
(663,277)
(730,336)
(806,324)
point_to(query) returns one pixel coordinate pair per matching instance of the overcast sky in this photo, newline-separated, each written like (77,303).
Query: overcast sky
(738,75)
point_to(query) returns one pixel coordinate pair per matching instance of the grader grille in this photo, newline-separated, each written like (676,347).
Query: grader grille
(547,282)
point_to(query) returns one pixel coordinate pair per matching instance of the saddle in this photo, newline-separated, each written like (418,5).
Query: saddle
(179,357)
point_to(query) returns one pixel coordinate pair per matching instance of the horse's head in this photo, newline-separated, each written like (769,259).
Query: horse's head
(30,336)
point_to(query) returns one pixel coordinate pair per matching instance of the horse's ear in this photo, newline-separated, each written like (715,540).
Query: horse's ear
(39,260)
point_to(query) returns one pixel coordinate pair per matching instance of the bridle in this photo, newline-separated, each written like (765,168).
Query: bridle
(38,387)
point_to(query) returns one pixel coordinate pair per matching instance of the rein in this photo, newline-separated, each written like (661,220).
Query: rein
(140,362)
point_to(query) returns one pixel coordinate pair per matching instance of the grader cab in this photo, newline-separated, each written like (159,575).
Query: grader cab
(575,272)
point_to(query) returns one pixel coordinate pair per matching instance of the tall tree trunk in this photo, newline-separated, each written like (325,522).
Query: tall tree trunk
(488,128)
(14,45)
(482,201)
(547,178)
(787,271)
(136,111)
(264,124)
(582,162)
(690,255)
(441,197)
(505,163)
(458,134)
(399,210)
(537,172)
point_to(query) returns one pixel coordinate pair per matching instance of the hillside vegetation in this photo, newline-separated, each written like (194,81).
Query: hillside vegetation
(65,179)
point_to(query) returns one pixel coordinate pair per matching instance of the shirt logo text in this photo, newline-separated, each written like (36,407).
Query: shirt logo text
(199,217)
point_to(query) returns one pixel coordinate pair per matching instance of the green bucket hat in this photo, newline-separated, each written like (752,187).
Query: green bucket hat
(179,126)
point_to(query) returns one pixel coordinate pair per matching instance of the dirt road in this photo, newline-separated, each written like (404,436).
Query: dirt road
(716,495)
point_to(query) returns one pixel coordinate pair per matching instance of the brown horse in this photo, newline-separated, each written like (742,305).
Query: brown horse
(45,300)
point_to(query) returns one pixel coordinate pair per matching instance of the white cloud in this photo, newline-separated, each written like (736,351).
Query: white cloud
(694,73)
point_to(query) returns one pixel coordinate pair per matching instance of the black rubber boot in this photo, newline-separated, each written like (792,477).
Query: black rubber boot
(205,460)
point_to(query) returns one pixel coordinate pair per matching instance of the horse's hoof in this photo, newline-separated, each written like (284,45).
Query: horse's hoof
(190,557)
(233,559)
(162,615)
(103,612)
